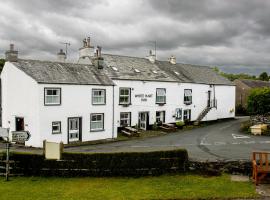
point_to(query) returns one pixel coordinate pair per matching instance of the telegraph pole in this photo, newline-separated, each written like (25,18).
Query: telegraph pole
(66,44)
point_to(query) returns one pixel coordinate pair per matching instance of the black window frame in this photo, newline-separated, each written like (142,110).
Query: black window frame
(164,116)
(97,130)
(97,89)
(52,88)
(187,102)
(161,103)
(189,116)
(60,130)
(125,104)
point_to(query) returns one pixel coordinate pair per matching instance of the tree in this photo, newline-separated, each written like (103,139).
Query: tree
(264,76)
(259,101)
(2,63)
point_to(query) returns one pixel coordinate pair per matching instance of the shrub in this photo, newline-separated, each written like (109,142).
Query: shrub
(240,110)
(180,124)
(259,101)
(155,126)
(245,126)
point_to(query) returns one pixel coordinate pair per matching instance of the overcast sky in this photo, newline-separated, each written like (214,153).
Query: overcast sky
(231,34)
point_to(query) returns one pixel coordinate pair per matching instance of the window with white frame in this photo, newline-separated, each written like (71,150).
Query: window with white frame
(97,122)
(160,116)
(98,96)
(52,96)
(56,127)
(178,114)
(187,96)
(161,96)
(187,115)
(124,96)
(125,119)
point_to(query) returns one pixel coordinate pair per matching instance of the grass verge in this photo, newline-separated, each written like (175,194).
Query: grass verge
(162,187)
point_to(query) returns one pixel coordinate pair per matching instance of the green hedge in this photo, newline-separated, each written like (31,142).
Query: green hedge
(101,164)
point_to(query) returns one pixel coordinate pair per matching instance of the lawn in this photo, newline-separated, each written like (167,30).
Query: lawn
(162,187)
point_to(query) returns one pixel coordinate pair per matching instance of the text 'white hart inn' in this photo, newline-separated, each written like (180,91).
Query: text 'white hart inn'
(93,99)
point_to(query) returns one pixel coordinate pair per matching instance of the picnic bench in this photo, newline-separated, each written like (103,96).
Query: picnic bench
(168,127)
(260,165)
(129,131)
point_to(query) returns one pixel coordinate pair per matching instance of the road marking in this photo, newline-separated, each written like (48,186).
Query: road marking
(203,142)
(264,142)
(249,142)
(235,136)
(219,143)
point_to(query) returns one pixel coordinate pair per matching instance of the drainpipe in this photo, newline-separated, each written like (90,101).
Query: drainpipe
(113,115)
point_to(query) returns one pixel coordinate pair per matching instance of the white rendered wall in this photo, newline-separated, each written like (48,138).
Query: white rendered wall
(174,99)
(76,102)
(20,99)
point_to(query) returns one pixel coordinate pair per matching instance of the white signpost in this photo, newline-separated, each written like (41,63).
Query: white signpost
(20,136)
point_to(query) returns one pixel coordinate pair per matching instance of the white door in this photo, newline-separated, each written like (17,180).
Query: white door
(143,120)
(73,129)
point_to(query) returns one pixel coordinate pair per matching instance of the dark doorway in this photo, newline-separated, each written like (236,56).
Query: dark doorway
(19,124)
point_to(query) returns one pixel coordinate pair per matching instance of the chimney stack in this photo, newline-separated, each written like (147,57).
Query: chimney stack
(11,54)
(172,60)
(61,56)
(86,52)
(151,57)
(98,61)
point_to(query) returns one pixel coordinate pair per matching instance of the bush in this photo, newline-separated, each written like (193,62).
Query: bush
(259,101)
(240,110)
(180,124)
(245,127)
(101,164)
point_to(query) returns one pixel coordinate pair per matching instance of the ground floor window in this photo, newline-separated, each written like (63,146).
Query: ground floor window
(125,119)
(187,115)
(160,116)
(56,127)
(97,122)
(178,113)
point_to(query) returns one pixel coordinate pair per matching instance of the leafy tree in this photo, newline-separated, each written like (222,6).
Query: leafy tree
(2,62)
(232,77)
(264,76)
(259,101)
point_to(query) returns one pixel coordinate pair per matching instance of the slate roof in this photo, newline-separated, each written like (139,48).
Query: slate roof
(63,73)
(127,65)
(255,83)
(165,71)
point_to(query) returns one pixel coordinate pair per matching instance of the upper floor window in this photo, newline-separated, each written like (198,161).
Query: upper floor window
(188,96)
(52,96)
(124,96)
(97,122)
(161,96)
(98,96)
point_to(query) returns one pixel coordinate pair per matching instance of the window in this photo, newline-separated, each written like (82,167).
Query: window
(56,127)
(161,96)
(97,122)
(187,96)
(178,113)
(98,96)
(187,115)
(160,116)
(124,96)
(125,119)
(52,96)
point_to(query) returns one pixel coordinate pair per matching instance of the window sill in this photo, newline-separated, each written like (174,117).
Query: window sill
(187,103)
(99,130)
(124,105)
(57,133)
(161,104)
(98,104)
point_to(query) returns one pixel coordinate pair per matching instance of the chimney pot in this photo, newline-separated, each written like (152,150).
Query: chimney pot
(172,60)
(11,54)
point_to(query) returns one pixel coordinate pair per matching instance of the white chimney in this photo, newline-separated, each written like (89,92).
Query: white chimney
(86,52)
(61,56)
(151,57)
(172,60)
(11,54)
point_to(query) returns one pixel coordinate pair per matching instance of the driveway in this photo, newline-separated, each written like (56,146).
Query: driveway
(220,141)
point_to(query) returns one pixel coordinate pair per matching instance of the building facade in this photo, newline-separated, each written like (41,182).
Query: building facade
(94,99)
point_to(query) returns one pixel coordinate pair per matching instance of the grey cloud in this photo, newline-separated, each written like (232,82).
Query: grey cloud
(230,34)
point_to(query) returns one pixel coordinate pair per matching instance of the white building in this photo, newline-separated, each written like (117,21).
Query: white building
(67,102)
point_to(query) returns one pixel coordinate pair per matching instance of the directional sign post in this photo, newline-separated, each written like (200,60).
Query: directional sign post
(20,136)
(4,132)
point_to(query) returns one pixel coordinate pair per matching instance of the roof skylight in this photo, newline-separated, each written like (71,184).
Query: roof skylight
(154,71)
(114,68)
(177,73)
(136,70)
